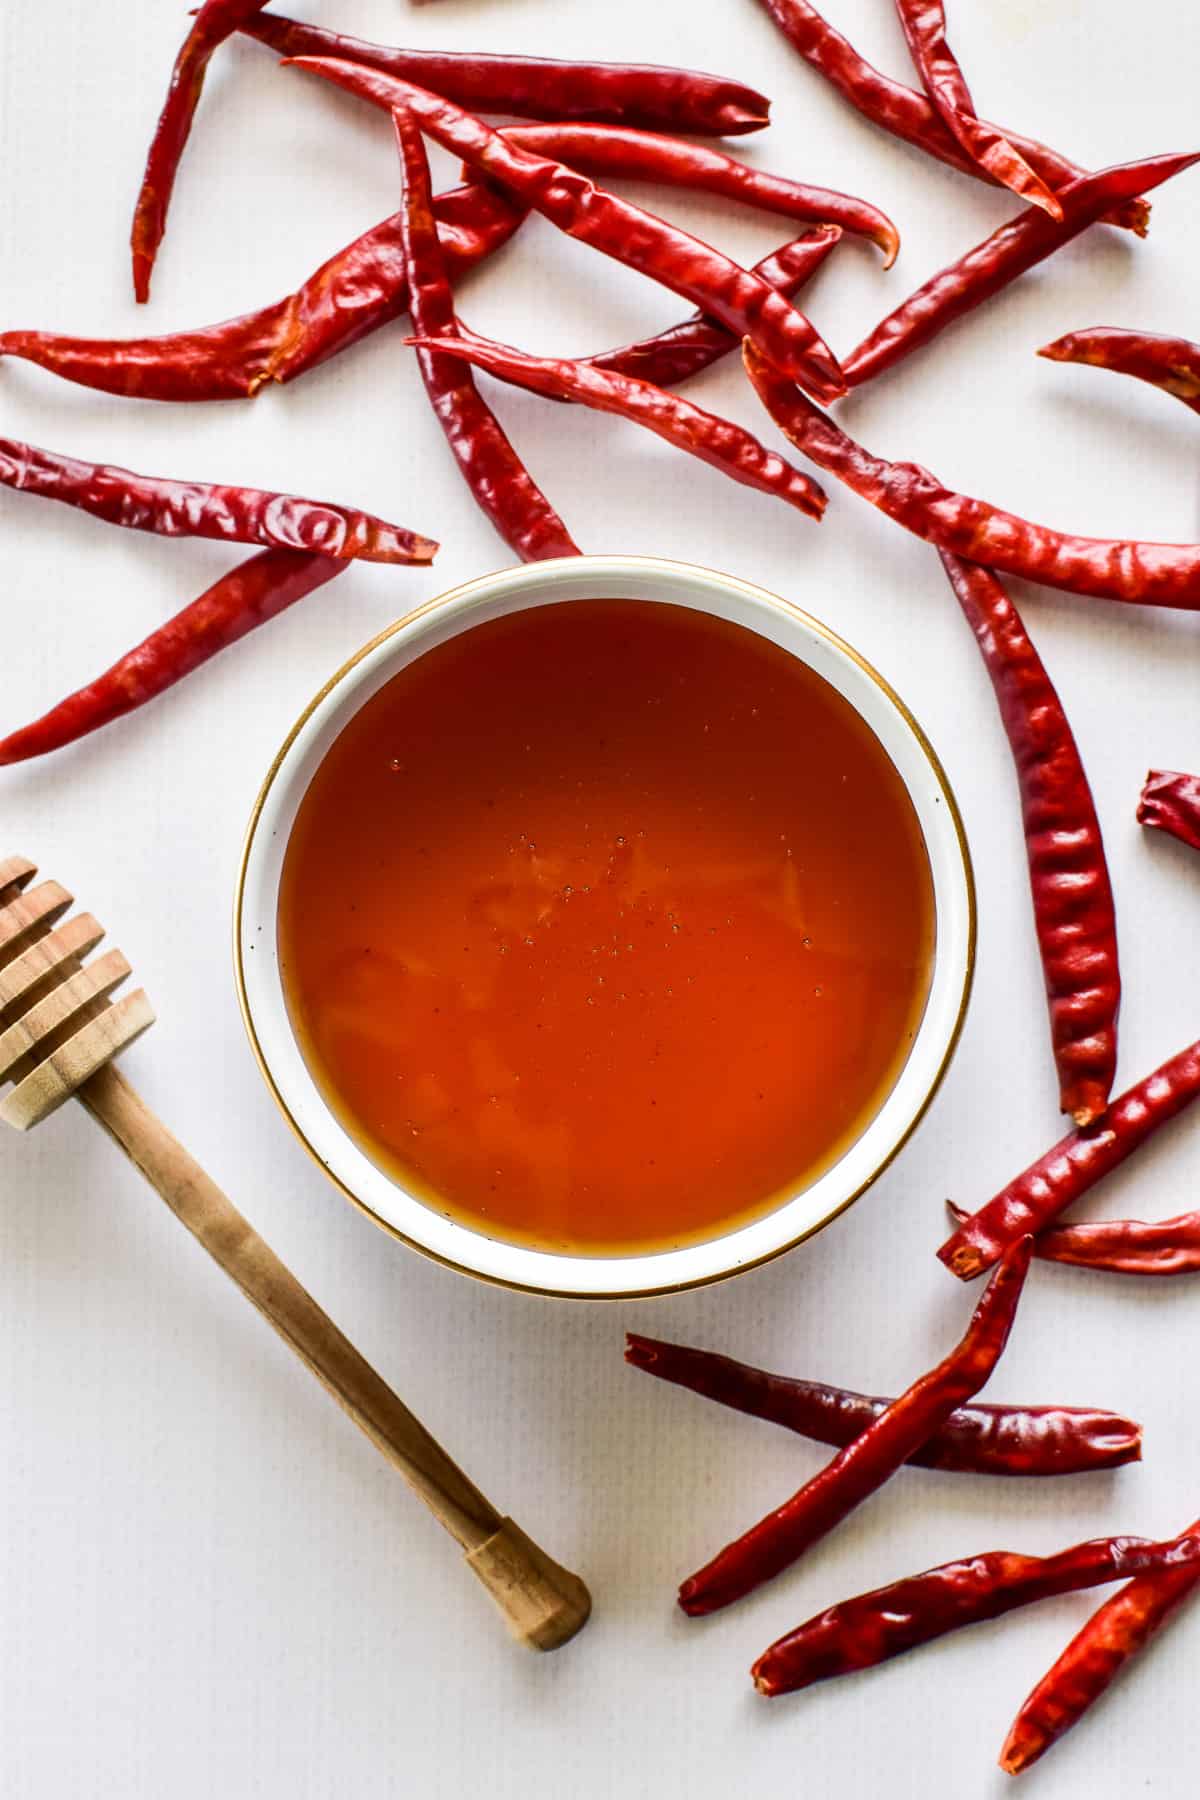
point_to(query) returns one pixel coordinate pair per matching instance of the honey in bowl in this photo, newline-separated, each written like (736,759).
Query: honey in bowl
(606,927)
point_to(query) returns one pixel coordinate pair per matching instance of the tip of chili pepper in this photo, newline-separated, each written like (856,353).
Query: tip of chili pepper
(1059,350)
(963,1260)
(689,1599)
(640,1352)
(762,1681)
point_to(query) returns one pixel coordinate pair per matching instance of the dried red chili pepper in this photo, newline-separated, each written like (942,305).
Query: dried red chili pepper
(976,1440)
(1092,1661)
(875,1455)
(215,21)
(1172,364)
(537,87)
(998,261)
(348,297)
(241,601)
(909,115)
(1171,802)
(1138,573)
(237,515)
(716,441)
(1119,1246)
(872,1628)
(1075,1164)
(1073,908)
(615,227)
(495,474)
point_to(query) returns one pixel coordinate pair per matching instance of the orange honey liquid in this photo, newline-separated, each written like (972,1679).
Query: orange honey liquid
(606,926)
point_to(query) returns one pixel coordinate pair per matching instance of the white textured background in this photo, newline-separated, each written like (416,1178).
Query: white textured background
(210,1584)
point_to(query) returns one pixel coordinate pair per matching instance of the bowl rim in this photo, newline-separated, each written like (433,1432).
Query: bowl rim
(634,565)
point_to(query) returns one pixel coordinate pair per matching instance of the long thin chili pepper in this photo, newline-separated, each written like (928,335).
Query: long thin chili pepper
(976,1440)
(875,1455)
(237,515)
(1169,363)
(906,114)
(1073,910)
(872,1628)
(1119,1246)
(998,261)
(1111,569)
(238,603)
(1092,1661)
(1170,802)
(215,21)
(648,156)
(495,474)
(347,298)
(537,87)
(924,26)
(613,226)
(716,441)
(1074,1166)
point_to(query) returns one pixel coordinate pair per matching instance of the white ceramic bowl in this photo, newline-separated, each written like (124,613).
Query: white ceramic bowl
(261,989)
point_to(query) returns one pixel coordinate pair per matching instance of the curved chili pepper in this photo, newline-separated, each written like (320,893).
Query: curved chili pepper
(238,515)
(537,87)
(909,115)
(1172,364)
(1119,1246)
(924,26)
(239,603)
(998,261)
(348,297)
(872,1628)
(976,1440)
(215,21)
(1110,569)
(1073,910)
(615,227)
(1171,802)
(875,1455)
(495,474)
(1075,1164)
(1092,1661)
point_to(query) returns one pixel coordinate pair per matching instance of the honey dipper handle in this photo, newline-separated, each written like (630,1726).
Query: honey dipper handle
(544,1604)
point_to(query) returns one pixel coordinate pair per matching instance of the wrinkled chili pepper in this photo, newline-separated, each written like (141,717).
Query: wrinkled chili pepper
(239,603)
(875,1455)
(1172,364)
(657,99)
(1119,1246)
(215,21)
(495,474)
(347,298)
(872,1628)
(1170,802)
(1074,914)
(238,515)
(977,1440)
(909,115)
(998,261)
(1111,569)
(1075,1164)
(1092,1661)
(615,227)
(716,441)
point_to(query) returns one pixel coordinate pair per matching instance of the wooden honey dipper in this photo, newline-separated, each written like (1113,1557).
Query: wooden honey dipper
(59,1032)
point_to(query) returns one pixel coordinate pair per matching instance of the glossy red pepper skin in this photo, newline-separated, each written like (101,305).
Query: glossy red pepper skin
(615,227)
(875,1455)
(215,21)
(1170,801)
(975,1440)
(1110,569)
(1119,1246)
(1074,1166)
(1074,914)
(1172,364)
(641,94)
(874,1627)
(495,474)
(360,289)
(235,605)
(714,440)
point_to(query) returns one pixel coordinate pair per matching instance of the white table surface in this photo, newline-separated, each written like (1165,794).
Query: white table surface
(210,1584)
